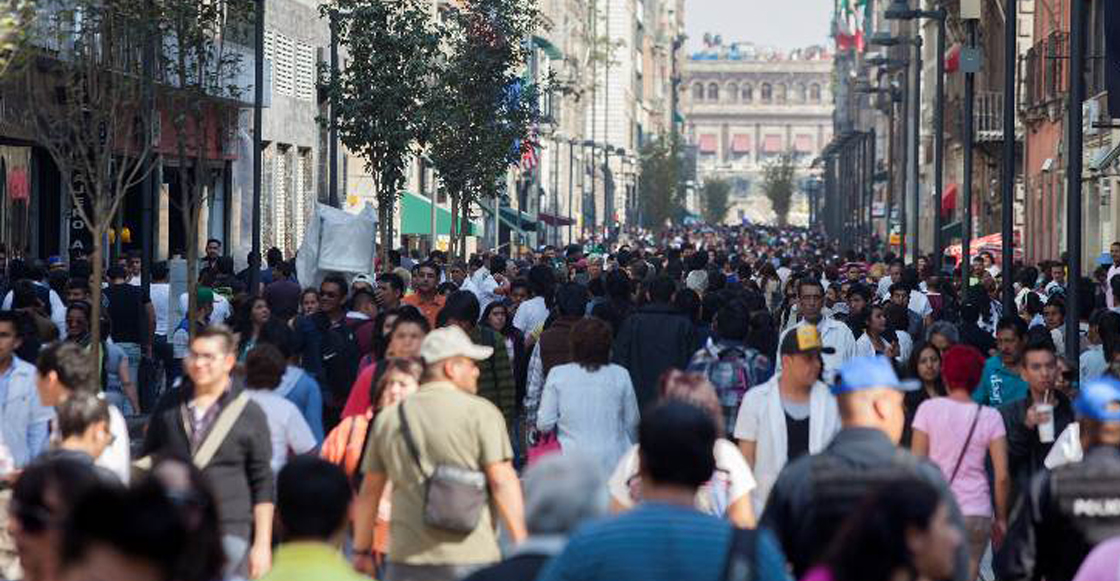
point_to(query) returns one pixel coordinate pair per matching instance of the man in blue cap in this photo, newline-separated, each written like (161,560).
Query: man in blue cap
(814,494)
(1068,511)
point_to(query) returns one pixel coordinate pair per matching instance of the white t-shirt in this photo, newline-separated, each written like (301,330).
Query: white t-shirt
(220,313)
(289,431)
(731,481)
(919,303)
(530,316)
(117,457)
(160,294)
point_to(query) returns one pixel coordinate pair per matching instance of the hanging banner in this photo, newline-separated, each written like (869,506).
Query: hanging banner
(1112,56)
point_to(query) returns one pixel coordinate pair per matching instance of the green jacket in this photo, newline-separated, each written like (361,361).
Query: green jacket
(495,381)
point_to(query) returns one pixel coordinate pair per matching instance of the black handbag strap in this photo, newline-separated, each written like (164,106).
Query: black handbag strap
(967,441)
(409,442)
(741,555)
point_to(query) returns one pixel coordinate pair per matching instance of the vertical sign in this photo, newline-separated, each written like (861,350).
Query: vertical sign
(1112,56)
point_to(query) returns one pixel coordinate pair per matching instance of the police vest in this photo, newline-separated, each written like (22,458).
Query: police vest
(1087,497)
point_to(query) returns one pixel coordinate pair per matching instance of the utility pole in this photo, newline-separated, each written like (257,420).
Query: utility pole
(332,133)
(939,140)
(1073,177)
(966,193)
(915,162)
(258,123)
(1007,187)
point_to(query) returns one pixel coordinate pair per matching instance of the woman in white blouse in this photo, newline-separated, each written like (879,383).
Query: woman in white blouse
(591,402)
(877,340)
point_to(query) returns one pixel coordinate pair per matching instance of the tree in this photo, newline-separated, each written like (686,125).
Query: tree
(777,184)
(83,100)
(659,191)
(15,23)
(480,106)
(380,96)
(713,201)
(201,64)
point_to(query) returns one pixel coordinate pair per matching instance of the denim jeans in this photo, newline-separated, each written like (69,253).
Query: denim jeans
(132,351)
(237,551)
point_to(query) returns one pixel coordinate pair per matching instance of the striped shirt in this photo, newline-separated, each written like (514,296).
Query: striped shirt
(658,542)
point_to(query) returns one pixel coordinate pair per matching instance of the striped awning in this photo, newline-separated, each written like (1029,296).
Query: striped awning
(803,143)
(772,144)
(708,143)
(741,143)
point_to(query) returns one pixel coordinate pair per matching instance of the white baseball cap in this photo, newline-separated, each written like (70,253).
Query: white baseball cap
(451,341)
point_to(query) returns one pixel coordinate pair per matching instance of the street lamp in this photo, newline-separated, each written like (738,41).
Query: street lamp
(900,10)
(885,39)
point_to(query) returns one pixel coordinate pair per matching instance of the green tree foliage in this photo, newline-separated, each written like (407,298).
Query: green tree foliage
(480,106)
(778,185)
(659,193)
(714,201)
(381,95)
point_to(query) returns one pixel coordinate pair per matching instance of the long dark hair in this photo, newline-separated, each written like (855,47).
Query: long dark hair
(871,544)
(509,330)
(916,356)
(203,558)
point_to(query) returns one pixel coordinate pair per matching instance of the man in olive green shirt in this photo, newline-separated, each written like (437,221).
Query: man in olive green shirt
(450,425)
(313,502)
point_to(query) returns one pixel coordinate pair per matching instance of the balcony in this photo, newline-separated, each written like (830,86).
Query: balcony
(1045,67)
(987,116)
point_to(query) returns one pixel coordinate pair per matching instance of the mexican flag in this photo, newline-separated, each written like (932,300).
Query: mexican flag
(848,23)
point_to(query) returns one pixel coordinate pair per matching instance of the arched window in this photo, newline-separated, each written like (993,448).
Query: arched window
(765,93)
(748,93)
(733,92)
(815,93)
(781,93)
(801,93)
(713,92)
(698,92)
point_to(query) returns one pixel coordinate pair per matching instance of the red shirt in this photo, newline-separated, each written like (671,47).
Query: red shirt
(358,402)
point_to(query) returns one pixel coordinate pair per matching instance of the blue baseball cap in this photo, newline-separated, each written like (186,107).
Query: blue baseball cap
(867,372)
(1099,400)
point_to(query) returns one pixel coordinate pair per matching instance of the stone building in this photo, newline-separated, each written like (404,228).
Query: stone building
(745,106)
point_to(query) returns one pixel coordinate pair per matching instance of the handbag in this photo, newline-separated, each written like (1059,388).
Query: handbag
(967,441)
(546,443)
(454,496)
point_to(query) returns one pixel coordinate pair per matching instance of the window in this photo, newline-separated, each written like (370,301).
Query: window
(697,92)
(713,92)
(284,65)
(815,93)
(781,94)
(748,93)
(800,94)
(765,93)
(732,92)
(305,72)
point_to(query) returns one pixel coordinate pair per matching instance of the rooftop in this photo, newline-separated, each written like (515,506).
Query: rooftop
(715,50)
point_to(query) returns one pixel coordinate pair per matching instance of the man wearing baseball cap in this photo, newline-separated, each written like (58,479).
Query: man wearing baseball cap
(814,494)
(450,426)
(1072,508)
(789,415)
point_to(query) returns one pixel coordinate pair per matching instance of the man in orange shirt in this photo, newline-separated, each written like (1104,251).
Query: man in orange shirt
(425,297)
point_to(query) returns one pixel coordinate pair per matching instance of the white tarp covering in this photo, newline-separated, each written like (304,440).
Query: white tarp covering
(336,241)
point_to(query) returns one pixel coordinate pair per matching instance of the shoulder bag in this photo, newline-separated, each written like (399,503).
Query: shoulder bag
(967,441)
(742,558)
(454,496)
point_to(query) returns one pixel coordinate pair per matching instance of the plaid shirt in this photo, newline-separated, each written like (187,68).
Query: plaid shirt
(739,369)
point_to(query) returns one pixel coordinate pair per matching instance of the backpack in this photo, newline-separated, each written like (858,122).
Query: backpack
(345,445)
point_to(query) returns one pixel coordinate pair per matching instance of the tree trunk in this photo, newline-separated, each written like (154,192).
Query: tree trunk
(384,228)
(453,229)
(193,206)
(95,308)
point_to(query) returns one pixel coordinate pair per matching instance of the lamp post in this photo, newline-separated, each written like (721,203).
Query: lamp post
(1073,178)
(258,122)
(571,184)
(900,10)
(916,120)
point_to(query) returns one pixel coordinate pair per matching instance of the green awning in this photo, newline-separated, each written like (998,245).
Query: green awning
(548,48)
(513,218)
(416,217)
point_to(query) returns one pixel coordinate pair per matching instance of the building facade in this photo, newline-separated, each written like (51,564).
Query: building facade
(745,106)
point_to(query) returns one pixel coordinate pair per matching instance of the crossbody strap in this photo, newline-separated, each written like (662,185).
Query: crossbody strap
(741,555)
(967,441)
(221,429)
(406,431)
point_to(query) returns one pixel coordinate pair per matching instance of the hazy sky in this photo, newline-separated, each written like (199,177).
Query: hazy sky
(783,24)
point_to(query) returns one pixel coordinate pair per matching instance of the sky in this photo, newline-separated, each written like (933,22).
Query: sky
(785,24)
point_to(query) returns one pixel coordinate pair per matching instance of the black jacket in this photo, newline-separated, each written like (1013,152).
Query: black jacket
(1025,453)
(240,474)
(652,339)
(792,509)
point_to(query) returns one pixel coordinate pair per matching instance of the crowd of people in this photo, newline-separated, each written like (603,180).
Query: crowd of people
(701,403)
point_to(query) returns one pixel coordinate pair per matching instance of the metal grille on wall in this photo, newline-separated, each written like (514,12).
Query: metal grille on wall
(281,198)
(303,198)
(268,158)
(304,72)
